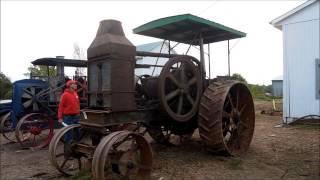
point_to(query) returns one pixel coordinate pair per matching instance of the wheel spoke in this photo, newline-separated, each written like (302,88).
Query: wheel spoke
(25,136)
(27,103)
(180,104)
(237,105)
(34,140)
(242,124)
(192,81)
(35,106)
(190,99)
(60,154)
(117,144)
(230,99)
(174,80)
(33,90)
(27,91)
(172,94)
(182,73)
(237,139)
(64,163)
(226,114)
(26,95)
(242,108)
(42,136)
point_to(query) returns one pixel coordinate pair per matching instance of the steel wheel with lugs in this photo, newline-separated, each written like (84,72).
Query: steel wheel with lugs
(62,154)
(226,117)
(122,155)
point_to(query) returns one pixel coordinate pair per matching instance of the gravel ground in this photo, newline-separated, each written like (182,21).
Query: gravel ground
(275,153)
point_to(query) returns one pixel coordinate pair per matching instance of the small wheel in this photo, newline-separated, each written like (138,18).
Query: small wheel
(62,154)
(227,117)
(180,87)
(6,128)
(122,154)
(34,130)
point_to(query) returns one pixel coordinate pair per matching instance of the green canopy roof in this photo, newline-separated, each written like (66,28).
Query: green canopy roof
(56,61)
(186,28)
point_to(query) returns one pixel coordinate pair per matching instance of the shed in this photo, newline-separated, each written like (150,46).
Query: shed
(301,64)
(277,86)
(157,47)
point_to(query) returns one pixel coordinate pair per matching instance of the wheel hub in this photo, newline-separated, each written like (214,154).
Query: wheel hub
(35,130)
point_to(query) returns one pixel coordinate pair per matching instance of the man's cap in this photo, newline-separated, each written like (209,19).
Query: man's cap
(71,82)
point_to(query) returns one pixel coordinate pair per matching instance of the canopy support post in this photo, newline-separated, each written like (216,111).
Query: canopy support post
(228,59)
(209,63)
(169,48)
(203,66)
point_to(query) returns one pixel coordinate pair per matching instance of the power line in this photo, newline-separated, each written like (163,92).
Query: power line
(204,10)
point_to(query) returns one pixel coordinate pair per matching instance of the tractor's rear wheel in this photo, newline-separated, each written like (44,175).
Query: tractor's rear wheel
(226,117)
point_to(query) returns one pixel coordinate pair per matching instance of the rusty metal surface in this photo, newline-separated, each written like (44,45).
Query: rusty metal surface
(226,117)
(122,154)
(111,62)
(100,118)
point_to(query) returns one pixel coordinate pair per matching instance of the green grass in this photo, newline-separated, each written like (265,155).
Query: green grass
(308,126)
(82,175)
(235,164)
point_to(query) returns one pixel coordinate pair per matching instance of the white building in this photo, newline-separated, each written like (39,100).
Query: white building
(155,47)
(301,64)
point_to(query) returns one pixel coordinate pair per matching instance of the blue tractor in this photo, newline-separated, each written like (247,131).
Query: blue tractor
(30,116)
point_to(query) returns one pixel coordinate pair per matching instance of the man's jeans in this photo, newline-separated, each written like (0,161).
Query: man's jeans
(74,133)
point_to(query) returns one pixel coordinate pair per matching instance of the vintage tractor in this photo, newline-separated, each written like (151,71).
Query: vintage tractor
(121,108)
(30,121)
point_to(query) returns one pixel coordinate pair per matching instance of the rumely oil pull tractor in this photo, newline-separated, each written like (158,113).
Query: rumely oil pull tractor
(121,108)
(30,119)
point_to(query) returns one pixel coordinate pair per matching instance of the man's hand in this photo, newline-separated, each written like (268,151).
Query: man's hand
(60,120)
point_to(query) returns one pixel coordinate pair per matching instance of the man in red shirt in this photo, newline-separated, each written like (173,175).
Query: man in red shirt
(69,107)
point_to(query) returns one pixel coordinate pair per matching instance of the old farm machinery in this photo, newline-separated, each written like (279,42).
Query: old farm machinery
(30,120)
(121,108)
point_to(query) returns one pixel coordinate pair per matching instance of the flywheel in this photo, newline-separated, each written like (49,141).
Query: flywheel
(226,117)
(180,87)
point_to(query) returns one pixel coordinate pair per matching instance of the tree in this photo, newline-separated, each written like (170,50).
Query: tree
(238,77)
(78,53)
(40,71)
(5,87)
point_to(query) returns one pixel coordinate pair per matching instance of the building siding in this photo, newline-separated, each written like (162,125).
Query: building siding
(309,13)
(277,88)
(301,48)
(156,48)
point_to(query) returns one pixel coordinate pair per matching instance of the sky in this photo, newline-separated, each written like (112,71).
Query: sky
(37,29)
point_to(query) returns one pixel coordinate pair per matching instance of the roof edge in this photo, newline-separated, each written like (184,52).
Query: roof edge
(275,22)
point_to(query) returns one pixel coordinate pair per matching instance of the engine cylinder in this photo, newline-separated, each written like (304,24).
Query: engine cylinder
(111,61)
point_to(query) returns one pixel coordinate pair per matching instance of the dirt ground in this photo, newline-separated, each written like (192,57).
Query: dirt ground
(290,152)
